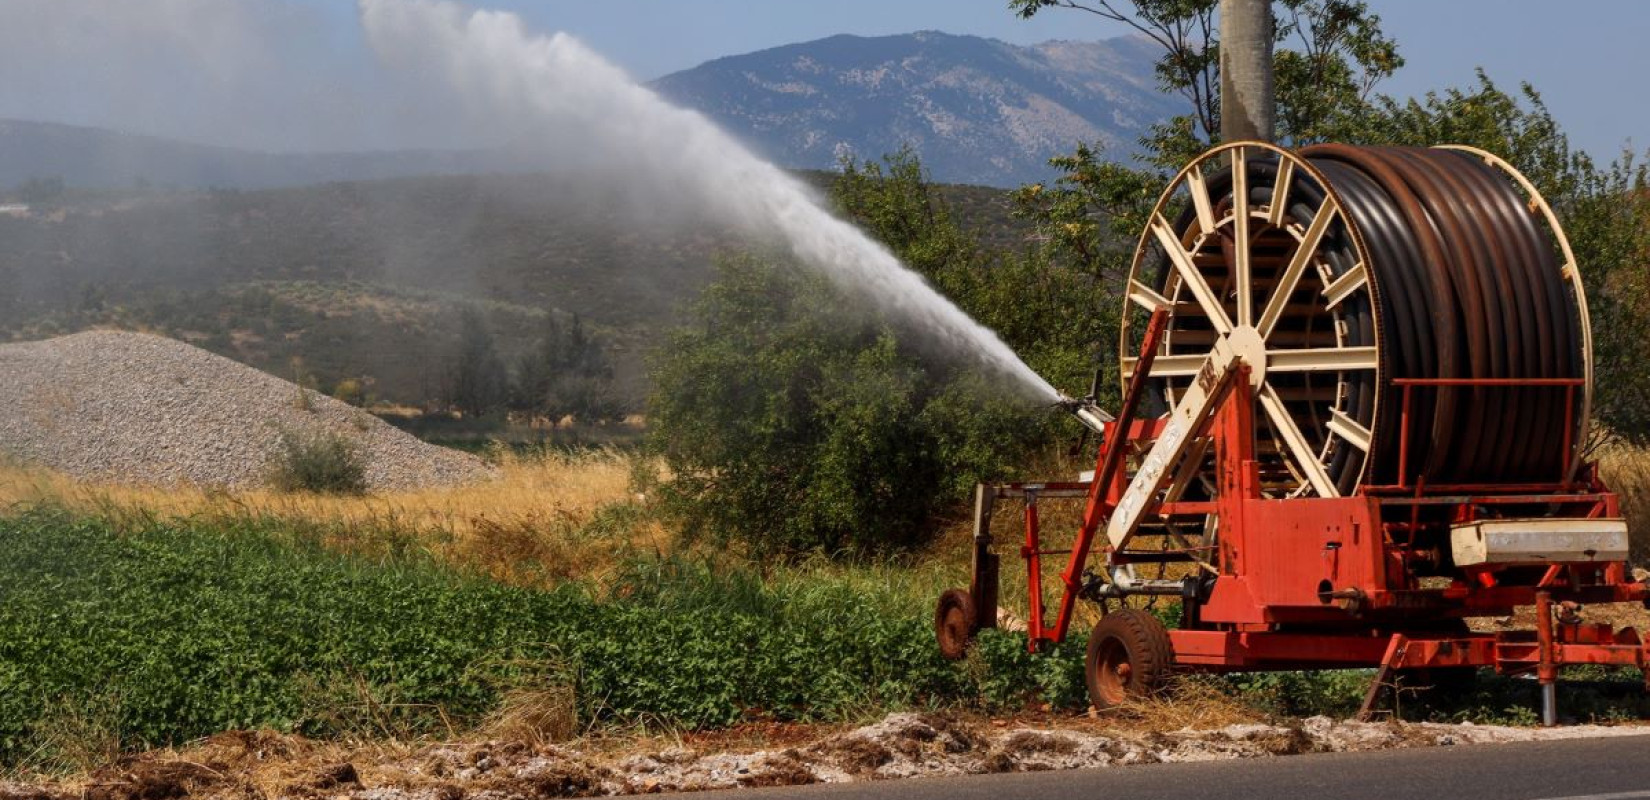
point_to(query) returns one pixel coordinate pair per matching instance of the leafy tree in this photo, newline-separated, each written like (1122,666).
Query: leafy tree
(476,380)
(792,423)
(895,203)
(566,373)
(789,427)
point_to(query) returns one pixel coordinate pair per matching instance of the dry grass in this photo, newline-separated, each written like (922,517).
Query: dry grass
(1626,470)
(1191,702)
(545,518)
(538,715)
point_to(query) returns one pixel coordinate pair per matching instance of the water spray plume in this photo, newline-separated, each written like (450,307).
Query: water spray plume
(564,92)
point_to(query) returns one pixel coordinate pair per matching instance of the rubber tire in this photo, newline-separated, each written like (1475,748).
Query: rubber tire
(955,623)
(1133,639)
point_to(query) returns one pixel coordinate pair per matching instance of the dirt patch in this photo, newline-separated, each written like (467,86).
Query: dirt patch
(167,780)
(22,792)
(255,765)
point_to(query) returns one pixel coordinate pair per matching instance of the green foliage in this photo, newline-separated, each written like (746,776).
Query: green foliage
(566,373)
(898,207)
(318,462)
(1050,311)
(164,634)
(476,380)
(792,427)
(350,390)
(1337,55)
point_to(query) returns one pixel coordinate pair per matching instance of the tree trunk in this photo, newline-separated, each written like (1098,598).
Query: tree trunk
(1246,101)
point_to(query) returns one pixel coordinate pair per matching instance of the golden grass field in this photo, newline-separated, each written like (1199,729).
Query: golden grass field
(536,514)
(553,516)
(1627,471)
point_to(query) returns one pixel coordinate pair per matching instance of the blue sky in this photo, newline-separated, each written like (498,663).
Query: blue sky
(296,74)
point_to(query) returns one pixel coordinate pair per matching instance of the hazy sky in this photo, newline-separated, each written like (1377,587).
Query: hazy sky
(297,75)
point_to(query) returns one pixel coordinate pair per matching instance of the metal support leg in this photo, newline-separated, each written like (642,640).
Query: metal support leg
(1547,668)
(1395,651)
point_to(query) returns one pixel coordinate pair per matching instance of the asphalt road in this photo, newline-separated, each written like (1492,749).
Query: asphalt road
(1616,768)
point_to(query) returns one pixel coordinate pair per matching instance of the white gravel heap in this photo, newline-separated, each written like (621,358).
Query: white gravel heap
(135,408)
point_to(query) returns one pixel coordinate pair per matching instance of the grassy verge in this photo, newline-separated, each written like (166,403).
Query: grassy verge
(167,632)
(139,617)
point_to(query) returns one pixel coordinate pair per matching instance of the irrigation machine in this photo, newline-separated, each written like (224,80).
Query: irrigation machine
(1355,416)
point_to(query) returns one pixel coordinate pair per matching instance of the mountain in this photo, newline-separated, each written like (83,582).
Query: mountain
(976,110)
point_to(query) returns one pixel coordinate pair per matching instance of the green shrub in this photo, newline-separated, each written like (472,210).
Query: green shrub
(791,428)
(350,390)
(318,462)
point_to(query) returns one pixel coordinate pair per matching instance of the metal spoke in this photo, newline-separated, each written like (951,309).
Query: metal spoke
(1300,451)
(1189,274)
(1342,287)
(1146,297)
(1297,264)
(1180,366)
(1348,428)
(1200,201)
(1240,239)
(1280,193)
(1321,359)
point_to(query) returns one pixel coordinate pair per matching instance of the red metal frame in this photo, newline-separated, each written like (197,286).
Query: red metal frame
(1334,582)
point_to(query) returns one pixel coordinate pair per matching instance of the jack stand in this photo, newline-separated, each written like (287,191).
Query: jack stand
(1547,668)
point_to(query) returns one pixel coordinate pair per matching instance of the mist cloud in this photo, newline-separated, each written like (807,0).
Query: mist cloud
(276,75)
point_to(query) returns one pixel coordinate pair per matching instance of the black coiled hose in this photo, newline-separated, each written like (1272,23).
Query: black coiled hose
(1466,285)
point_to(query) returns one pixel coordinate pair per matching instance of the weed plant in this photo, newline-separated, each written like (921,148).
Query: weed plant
(324,463)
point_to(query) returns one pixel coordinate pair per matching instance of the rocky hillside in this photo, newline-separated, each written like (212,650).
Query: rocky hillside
(977,110)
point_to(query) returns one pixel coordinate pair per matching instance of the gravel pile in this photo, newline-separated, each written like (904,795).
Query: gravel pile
(135,408)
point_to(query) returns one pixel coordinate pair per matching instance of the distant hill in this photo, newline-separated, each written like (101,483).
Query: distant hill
(365,280)
(99,158)
(978,111)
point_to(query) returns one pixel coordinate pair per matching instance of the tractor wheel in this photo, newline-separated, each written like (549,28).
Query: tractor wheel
(1129,656)
(955,623)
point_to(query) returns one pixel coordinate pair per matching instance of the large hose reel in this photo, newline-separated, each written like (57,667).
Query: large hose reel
(1413,307)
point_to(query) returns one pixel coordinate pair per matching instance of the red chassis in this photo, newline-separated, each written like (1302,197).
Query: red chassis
(1304,583)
